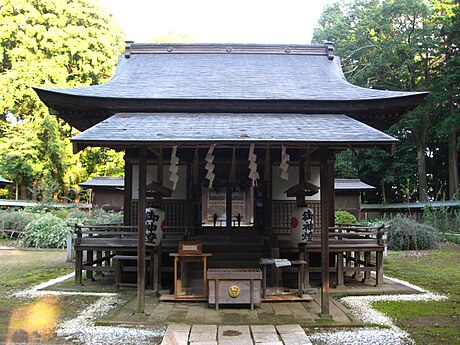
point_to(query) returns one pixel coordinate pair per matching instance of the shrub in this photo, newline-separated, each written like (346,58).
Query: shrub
(406,234)
(94,216)
(344,217)
(48,231)
(62,213)
(17,220)
(443,219)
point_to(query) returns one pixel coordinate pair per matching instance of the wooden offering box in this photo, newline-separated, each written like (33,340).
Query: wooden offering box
(234,286)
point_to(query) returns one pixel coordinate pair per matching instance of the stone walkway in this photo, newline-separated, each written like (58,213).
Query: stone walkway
(182,334)
(192,313)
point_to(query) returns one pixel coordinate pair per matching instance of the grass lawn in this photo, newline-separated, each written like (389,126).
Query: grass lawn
(33,320)
(435,322)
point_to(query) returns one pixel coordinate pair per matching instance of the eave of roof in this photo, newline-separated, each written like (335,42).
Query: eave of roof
(5,181)
(351,184)
(412,205)
(223,78)
(104,181)
(137,129)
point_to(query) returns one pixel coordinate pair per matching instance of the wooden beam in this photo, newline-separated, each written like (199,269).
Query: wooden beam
(325,203)
(141,233)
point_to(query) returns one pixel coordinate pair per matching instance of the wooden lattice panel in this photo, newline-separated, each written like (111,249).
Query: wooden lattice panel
(282,212)
(175,212)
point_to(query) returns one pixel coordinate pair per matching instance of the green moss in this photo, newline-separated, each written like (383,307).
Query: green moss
(430,322)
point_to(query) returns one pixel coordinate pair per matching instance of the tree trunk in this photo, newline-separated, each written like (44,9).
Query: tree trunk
(421,167)
(34,190)
(453,165)
(384,194)
(420,136)
(23,190)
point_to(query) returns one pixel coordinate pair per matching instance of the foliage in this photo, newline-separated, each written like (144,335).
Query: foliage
(443,219)
(94,216)
(102,162)
(62,213)
(47,231)
(431,322)
(344,166)
(407,234)
(404,45)
(49,43)
(344,217)
(16,220)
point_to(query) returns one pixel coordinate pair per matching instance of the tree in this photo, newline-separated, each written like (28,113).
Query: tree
(399,45)
(20,159)
(50,43)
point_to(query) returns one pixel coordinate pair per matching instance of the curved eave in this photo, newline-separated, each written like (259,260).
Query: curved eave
(82,111)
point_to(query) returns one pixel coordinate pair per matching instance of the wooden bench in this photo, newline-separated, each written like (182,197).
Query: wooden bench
(95,244)
(120,267)
(353,247)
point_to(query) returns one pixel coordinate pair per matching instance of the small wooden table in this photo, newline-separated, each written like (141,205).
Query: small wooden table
(190,258)
(300,274)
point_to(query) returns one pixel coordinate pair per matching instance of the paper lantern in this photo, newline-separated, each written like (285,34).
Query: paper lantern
(154,226)
(302,224)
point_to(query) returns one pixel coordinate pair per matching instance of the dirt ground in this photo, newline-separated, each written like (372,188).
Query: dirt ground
(33,320)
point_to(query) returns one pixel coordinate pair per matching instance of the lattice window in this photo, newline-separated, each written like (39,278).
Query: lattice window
(282,212)
(175,212)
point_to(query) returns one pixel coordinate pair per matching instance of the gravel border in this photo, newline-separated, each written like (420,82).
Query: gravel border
(82,330)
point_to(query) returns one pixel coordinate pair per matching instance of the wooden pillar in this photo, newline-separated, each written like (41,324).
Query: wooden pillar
(331,188)
(267,196)
(141,234)
(128,193)
(159,202)
(190,209)
(325,203)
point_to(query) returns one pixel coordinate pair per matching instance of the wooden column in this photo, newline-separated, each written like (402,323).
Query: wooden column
(267,196)
(325,203)
(331,189)
(141,233)
(128,193)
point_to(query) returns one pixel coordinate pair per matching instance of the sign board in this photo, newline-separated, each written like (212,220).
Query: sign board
(190,248)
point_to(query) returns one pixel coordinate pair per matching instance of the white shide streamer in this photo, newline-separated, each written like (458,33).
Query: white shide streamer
(284,165)
(210,166)
(174,167)
(252,158)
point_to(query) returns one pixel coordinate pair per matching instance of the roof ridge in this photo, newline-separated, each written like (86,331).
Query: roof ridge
(234,48)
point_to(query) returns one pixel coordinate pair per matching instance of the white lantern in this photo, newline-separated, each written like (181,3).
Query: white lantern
(302,224)
(154,226)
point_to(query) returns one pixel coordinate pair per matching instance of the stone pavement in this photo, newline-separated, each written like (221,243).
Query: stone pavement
(182,334)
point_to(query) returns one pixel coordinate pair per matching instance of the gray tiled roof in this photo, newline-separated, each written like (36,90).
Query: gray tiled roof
(104,181)
(138,128)
(207,78)
(230,76)
(351,184)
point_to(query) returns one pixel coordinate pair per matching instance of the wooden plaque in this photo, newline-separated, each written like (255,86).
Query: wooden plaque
(190,248)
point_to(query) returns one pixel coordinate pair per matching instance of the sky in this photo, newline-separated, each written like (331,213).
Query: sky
(218,21)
